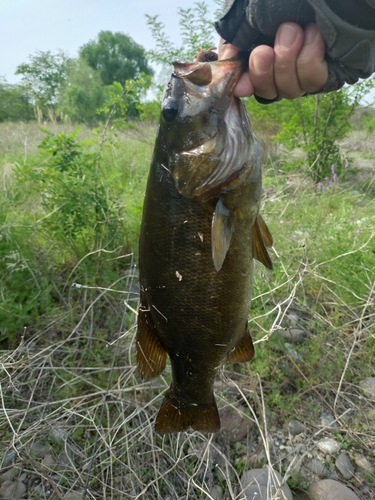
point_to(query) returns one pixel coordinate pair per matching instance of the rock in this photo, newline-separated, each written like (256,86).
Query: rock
(39,450)
(58,435)
(10,457)
(262,483)
(328,421)
(49,460)
(363,464)
(9,475)
(293,353)
(329,445)
(328,489)
(368,386)
(73,495)
(216,493)
(12,490)
(344,465)
(294,319)
(234,426)
(317,468)
(294,335)
(294,428)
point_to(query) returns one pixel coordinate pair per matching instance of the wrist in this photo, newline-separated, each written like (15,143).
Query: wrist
(355,12)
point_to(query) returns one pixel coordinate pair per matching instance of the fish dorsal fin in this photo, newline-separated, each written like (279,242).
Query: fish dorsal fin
(259,245)
(221,233)
(151,356)
(244,350)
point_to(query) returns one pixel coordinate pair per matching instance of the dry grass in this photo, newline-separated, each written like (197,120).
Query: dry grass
(100,415)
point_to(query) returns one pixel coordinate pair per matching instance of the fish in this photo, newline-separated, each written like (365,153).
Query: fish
(200,232)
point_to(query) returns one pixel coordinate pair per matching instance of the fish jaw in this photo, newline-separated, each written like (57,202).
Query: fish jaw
(207,130)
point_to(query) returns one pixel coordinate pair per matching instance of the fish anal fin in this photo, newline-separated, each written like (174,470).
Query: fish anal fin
(221,233)
(177,415)
(259,246)
(244,350)
(267,236)
(151,356)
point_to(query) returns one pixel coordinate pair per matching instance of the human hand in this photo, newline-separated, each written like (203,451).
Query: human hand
(293,67)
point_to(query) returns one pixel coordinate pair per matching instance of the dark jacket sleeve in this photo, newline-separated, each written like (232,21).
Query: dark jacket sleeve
(347,26)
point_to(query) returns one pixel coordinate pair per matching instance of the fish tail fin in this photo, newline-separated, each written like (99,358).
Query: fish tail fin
(176,415)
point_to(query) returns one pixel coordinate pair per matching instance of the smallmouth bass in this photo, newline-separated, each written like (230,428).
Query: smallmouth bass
(200,232)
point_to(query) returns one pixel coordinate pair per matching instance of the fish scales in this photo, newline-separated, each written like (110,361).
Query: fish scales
(197,246)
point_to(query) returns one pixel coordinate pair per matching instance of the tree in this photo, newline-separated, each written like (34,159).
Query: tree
(14,103)
(197,30)
(83,93)
(44,77)
(116,57)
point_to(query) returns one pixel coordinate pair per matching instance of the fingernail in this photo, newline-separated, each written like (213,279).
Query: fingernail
(261,64)
(310,34)
(287,36)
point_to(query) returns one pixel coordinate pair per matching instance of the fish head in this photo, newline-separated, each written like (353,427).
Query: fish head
(206,129)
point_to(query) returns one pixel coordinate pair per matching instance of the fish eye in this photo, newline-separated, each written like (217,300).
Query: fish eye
(170,110)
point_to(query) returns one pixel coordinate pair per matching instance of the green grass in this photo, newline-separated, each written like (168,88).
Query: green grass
(68,355)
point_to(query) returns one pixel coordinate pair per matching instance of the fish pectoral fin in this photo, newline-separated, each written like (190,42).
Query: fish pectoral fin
(267,236)
(244,350)
(177,415)
(221,233)
(151,356)
(261,240)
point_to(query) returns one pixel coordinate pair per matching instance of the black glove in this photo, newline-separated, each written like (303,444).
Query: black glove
(347,26)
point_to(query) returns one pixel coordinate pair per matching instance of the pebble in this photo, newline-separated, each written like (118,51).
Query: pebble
(294,335)
(344,465)
(9,474)
(73,495)
(261,483)
(9,459)
(39,450)
(234,427)
(294,319)
(328,489)
(317,468)
(293,353)
(368,386)
(216,492)
(294,428)
(363,464)
(59,434)
(12,490)
(328,421)
(329,445)
(49,460)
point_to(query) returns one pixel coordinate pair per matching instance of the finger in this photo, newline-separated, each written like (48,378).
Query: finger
(227,50)
(244,87)
(312,68)
(288,43)
(262,72)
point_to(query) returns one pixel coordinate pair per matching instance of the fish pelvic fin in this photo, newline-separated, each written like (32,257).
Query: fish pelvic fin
(261,240)
(244,350)
(221,233)
(151,356)
(176,415)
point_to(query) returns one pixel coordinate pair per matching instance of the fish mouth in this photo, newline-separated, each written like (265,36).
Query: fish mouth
(221,161)
(221,76)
